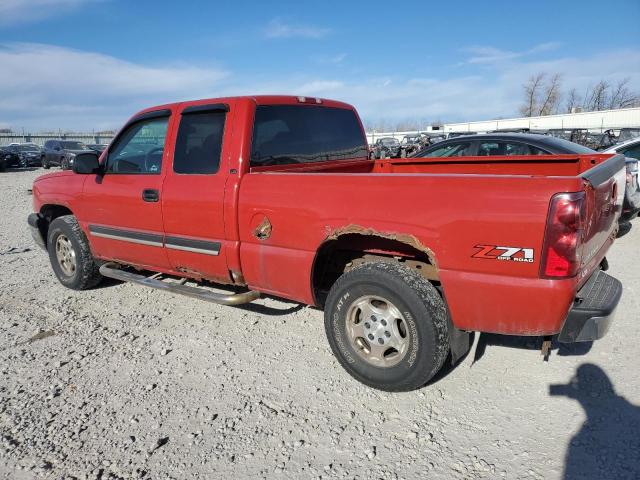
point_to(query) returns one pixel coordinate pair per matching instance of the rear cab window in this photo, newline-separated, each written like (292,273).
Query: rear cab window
(290,134)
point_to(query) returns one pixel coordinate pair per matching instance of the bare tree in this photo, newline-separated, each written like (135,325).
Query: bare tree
(550,99)
(532,93)
(573,100)
(596,98)
(622,97)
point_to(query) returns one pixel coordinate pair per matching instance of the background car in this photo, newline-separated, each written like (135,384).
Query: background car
(386,147)
(97,147)
(21,155)
(410,144)
(61,153)
(502,144)
(532,144)
(631,150)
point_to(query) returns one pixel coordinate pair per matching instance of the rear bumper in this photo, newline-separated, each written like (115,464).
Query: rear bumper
(593,309)
(35,222)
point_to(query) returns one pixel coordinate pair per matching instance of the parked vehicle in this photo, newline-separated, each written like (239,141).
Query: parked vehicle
(600,141)
(410,144)
(97,147)
(386,147)
(631,150)
(21,155)
(276,194)
(459,134)
(61,153)
(3,154)
(627,134)
(500,144)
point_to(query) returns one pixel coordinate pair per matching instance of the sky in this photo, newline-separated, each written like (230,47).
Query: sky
(90,64)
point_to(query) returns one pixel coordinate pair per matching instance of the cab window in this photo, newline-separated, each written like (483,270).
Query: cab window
(199,143)
(139,149)
(285,134)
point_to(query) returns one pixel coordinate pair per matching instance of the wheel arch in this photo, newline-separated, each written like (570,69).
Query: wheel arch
(48,213)
(352,245)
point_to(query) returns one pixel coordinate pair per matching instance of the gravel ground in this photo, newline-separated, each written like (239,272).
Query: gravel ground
(128,382)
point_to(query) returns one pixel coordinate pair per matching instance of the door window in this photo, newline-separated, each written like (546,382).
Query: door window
(502,148)
(451,150)
(199,143)
(139,149)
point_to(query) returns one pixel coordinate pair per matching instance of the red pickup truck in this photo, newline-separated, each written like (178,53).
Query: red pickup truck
(276,195)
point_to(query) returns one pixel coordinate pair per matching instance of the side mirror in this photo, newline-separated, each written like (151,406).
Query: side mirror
(86,163)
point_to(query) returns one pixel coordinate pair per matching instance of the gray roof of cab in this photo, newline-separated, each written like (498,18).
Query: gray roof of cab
(558,145)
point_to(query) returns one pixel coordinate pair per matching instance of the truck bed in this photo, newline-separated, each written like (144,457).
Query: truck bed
(450,206)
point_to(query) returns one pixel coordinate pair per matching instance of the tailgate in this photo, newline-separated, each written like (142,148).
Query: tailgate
(604,196)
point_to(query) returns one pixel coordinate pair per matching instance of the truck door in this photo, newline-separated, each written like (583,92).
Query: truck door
(194,190)
(122,209)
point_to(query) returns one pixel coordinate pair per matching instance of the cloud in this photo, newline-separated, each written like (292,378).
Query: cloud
(484,94)
(331,59)
(492,55)
(28,11)
(277,28)
(52,86)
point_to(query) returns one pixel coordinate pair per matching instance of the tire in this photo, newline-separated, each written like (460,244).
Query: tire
(45,163)
(66,240)
(64,164)
(422,312)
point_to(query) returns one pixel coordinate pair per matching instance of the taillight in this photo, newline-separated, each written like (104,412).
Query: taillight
(561,253)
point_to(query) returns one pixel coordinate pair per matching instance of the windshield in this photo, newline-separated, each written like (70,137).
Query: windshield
(628,134)
(27,148)
(389,141)
(73,145)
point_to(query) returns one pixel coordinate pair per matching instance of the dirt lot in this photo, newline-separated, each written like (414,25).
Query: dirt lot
(128,382)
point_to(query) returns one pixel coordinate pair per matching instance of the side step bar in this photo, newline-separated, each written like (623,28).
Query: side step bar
(111,270)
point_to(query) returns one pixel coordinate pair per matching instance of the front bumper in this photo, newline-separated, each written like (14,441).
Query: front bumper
(593,309)
(36,225)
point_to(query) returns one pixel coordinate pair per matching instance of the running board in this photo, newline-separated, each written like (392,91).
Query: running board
(111,270)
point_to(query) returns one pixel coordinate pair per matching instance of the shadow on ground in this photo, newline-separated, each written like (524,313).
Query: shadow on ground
(608,444)
(527,343)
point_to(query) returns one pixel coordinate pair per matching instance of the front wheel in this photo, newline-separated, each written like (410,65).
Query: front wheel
(70,254)
(387,326)
(45,163)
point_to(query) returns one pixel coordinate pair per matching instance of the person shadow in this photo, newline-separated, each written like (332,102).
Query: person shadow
(608,444)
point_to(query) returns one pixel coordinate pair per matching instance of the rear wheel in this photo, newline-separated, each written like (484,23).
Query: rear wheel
(70,254)
(387,325)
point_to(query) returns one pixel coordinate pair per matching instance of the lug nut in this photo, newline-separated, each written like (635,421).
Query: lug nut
(367,325)
(373,317)
(370,337)
(383,322)
(387,334)
(380,341)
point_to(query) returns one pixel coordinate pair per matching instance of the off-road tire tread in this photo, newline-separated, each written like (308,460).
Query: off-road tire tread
(414,288)
(89,271)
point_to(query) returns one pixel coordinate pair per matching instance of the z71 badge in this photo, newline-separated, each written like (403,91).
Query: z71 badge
(510,254)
